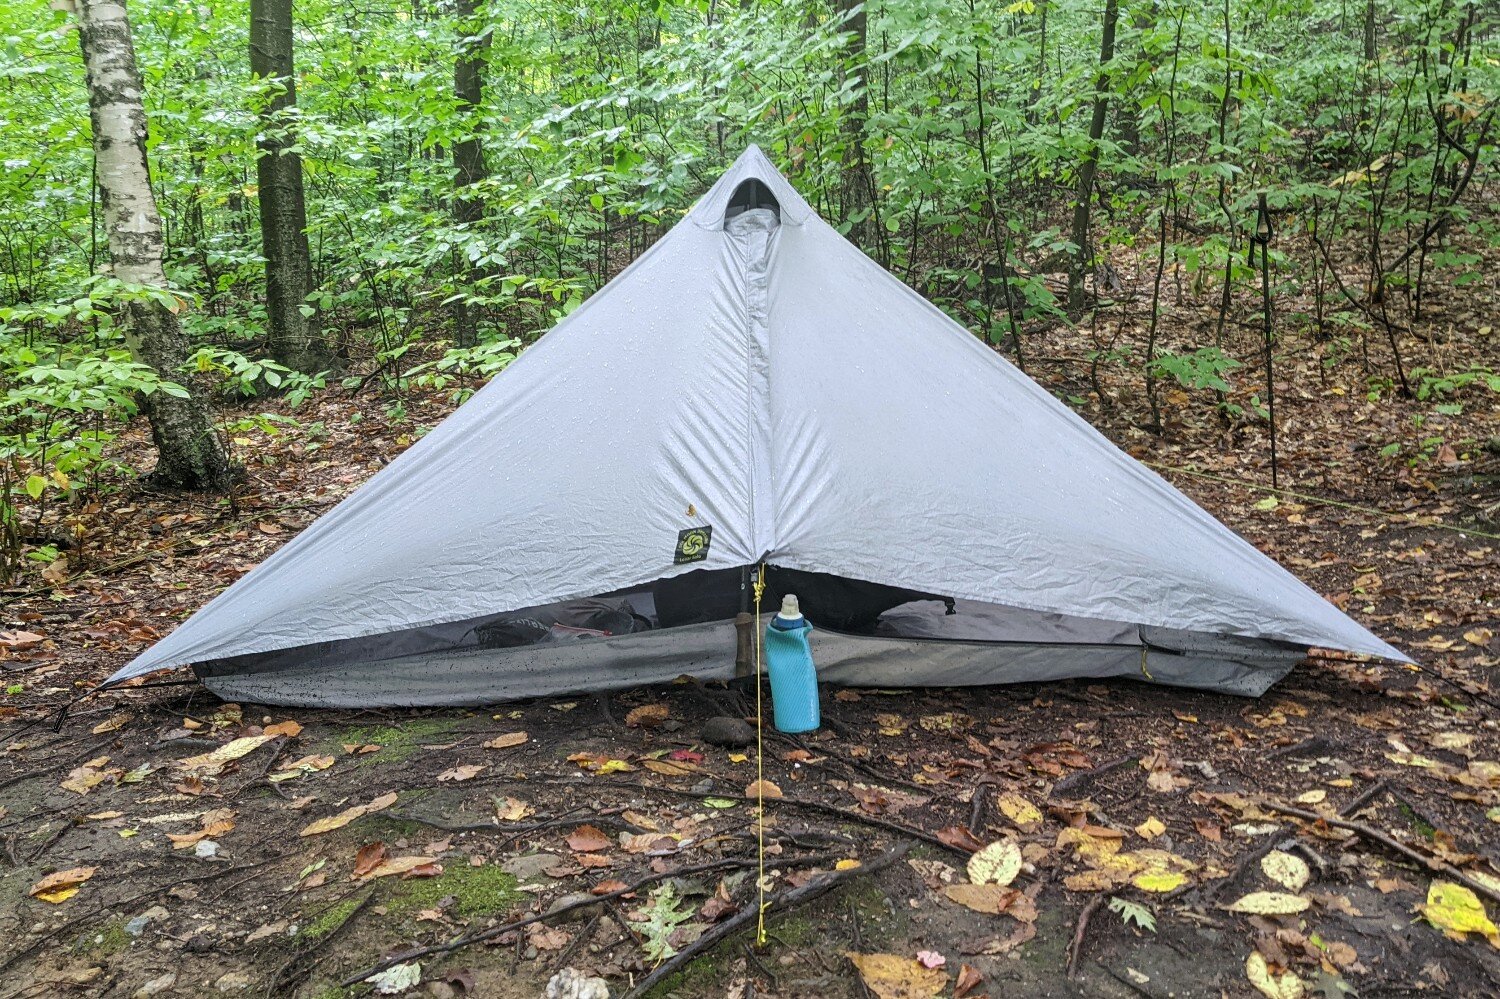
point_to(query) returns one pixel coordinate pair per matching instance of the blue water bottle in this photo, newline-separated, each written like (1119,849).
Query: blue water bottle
(794,680)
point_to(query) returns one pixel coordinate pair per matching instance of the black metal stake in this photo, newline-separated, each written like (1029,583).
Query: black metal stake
(1262,238)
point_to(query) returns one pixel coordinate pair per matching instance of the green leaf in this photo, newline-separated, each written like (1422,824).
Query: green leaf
(35,486)
(1133,912)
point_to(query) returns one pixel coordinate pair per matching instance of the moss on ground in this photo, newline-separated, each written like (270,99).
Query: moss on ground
(333,992)
(329,919)
(476,891)
(104,942)
(397,743)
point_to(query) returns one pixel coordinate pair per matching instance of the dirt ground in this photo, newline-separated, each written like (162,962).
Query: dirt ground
(1133,820)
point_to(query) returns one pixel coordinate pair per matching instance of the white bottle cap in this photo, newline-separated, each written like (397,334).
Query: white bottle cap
(789,606)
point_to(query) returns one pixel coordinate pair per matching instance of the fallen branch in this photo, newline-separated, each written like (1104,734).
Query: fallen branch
(296,965)
(1273,841)
(1385,840)
(815,806)
(1074,781)
(1365,797)
(747,916)
(515,831)
(1076,947)
(726,863)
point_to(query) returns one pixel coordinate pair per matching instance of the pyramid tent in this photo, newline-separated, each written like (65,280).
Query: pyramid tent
(753,390)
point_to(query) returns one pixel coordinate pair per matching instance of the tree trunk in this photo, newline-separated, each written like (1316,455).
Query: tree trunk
(283,212)
(858,183)
(468,152)
(190,454)
(1087,169)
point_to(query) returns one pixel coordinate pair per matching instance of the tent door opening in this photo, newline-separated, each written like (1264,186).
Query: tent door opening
(749,196)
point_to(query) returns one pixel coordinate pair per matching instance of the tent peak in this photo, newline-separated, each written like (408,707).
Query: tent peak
(751,165)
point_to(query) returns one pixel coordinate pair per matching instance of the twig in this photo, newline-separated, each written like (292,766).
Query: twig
(1212,892)
(578,940)
(1369,832)
(858,946)
(1076,948)
(747,916)
(51,841)
(125,904)
(88,753)
(278,745)
(816,806)
(302,955)
(1307,747)
(414,953)
(1073,781)
(977,811)
(1365,797)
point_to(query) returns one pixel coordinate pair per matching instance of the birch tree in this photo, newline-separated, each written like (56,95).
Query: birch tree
(191,456)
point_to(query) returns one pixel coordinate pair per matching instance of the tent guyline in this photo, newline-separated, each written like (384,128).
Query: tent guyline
(753,389)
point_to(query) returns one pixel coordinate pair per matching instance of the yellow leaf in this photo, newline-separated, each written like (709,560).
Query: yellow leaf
(395,865)
(348,815)
(614,767)
(1312,797)
(1094,880)
(892,976)
(1287,986)
(60,886)
(996,864)
(1151,828)
(1020,811)
(738,758)
(1160,881)
(1270,903)
(306,765)
(1286,870)
(507,740)
(1456,908)
(993,899)
(214,762)
(847,864)
(112,723)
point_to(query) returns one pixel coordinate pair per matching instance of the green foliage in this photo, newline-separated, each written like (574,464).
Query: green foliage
(946,141)
(1204,368)
(1133,912)
(664,913)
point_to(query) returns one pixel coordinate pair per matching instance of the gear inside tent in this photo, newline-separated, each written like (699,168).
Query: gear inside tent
(753,391)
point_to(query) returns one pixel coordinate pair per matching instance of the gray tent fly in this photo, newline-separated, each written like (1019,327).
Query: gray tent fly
(753,390)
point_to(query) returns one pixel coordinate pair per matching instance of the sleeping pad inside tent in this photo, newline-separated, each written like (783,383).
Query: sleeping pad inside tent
(753,391)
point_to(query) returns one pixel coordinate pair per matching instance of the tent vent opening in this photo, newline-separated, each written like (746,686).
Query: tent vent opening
(750,195)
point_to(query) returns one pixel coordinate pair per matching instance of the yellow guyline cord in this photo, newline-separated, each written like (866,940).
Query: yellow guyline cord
(760,786)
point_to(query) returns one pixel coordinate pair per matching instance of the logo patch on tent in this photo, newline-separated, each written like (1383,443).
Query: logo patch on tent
(692,545)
